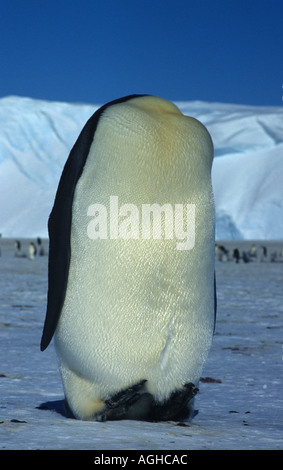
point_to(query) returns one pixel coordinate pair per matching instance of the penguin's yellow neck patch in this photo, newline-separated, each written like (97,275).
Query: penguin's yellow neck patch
(154,104)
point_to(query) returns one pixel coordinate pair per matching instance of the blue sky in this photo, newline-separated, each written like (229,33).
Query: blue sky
(93,51)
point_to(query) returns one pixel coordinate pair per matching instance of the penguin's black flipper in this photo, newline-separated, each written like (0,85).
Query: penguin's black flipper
(60,220)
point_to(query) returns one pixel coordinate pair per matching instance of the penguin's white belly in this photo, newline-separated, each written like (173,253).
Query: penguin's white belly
(135,311)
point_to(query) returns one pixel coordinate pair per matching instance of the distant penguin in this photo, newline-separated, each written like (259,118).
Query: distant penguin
(17,246)
(223,254)
(18,250)
(133,316)
(263,256)
(236,255)
(40,247)
(32,250)
(253,251)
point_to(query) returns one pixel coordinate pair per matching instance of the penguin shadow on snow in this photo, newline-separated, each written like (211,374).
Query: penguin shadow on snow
(57,406)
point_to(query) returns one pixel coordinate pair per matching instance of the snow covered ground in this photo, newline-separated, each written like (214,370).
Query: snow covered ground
(36,137)
(240,401)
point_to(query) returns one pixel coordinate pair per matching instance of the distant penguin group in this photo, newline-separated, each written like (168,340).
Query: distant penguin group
(259,254)
(33,250)
(133,317)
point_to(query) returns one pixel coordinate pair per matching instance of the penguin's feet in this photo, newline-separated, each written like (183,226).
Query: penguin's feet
(177,407)
(130,403)
(127,404)
(136,402)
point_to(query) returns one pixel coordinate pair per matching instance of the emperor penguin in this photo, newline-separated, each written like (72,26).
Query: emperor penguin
(32,250)
(133,314)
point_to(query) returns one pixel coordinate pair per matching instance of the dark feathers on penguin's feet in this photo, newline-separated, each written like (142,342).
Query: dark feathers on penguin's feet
(137,404)
(178,407)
